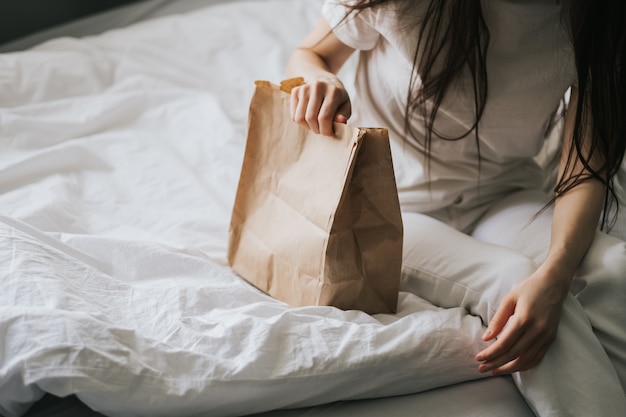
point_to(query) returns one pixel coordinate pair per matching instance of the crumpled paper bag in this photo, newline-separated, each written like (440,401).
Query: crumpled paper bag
(316,220)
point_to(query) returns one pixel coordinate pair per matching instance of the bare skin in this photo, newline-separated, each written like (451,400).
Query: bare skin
(323,99)
(526,322)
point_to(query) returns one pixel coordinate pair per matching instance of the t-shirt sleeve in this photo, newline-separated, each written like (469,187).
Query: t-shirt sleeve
(355,29)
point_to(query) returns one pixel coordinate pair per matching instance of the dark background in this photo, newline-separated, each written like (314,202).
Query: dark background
(22,17)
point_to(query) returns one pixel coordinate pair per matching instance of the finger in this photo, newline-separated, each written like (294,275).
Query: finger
(499,320)
(518,350)
(528,352)
(509,337)
(293,103)
(523,363)
(311,116)
(340,118)
(314,103)
(497,323)
(508,368)
(343,113)
(529,360)
(326,117)
(300,103)
(330,96)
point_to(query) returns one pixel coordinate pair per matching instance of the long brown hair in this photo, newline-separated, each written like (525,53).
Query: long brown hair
(454,37)
(443,51)
(599,41)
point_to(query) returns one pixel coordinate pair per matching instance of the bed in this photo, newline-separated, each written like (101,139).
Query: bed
(120,151)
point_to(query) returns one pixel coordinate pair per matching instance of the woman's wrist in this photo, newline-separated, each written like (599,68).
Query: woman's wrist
(558,273)
(308,65)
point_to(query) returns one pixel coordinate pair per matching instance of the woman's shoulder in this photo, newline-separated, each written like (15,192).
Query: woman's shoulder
(394,20)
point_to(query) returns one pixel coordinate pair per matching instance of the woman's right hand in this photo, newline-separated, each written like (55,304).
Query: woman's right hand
(317,104)
(323,99)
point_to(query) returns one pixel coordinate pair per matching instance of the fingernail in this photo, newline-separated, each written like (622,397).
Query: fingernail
(487,334)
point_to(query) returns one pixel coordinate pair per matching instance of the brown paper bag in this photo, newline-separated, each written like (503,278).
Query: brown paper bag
(316,220)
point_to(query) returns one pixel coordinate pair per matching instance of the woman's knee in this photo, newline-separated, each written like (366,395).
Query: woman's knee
(451,269)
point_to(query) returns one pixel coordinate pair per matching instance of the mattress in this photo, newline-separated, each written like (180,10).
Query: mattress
(119,160)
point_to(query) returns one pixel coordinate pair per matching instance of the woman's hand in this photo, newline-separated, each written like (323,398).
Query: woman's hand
(525,325)
(317,104)
(323,99)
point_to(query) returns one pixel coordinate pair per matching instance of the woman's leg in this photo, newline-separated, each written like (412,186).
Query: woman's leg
(451,269)
(600,282)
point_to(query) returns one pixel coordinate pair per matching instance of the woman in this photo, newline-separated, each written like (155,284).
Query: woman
(468,89)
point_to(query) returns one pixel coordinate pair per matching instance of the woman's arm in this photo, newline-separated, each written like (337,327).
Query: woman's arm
(323,98)
(531,312)
(576,212)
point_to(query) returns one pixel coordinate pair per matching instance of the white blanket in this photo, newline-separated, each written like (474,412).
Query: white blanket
(119,160)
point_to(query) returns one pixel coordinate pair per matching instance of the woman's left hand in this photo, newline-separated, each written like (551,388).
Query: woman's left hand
(525,325)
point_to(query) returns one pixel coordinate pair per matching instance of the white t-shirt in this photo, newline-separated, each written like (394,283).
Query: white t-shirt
(530,65)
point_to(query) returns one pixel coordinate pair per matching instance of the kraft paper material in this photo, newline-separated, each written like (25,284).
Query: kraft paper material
(316,220)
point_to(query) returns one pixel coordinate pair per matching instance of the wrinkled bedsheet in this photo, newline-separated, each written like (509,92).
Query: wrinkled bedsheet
(119,161)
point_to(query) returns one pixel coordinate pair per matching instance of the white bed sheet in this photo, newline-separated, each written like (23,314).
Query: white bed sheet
(487,397)
(119,160)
